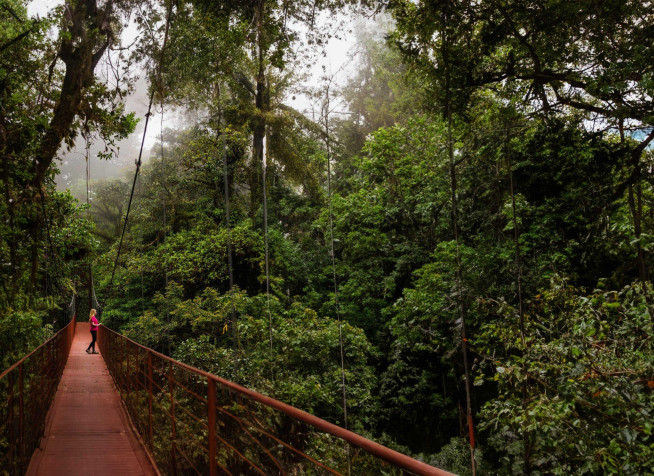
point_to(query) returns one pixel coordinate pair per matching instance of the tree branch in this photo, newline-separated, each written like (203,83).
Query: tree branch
(15,40)
(11,12)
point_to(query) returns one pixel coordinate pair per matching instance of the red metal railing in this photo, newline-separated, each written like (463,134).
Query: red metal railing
(193,422)
(27,389)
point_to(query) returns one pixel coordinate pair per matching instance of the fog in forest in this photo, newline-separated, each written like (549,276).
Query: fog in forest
(428,223)
(336,60)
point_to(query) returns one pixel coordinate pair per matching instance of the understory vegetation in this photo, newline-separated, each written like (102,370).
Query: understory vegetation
(461,230)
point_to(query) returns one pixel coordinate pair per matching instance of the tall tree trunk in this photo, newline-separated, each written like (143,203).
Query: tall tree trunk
(80,53)
(259,123)
(635,198)
(9,285)
(35,261)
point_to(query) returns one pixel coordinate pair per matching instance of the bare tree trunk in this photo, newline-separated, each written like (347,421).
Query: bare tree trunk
(10,289)
(259,127)
(635,198)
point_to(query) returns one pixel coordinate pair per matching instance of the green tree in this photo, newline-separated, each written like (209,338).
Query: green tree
(49,93)
(587,372)
(557,57)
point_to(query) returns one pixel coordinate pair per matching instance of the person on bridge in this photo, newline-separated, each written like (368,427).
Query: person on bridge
(94,332)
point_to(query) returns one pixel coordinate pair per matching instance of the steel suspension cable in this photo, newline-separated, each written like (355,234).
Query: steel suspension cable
(228,225)
(88,171)
(459,272)
(87,138)
(264,166)
(164,196)
(334,276)
(516,242)
(145,130)
(333,256)
(44,211)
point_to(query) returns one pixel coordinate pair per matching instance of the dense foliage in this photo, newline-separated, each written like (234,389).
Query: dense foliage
(532,120)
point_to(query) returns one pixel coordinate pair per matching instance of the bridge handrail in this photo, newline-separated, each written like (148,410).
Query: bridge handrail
(393,457)
(35,351)
(23,410)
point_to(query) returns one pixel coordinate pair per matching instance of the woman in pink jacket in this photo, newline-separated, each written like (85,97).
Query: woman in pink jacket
(94,332)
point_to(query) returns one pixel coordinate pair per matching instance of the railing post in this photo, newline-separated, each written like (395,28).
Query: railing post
(211,404)
(21,411)
(50,357)
(108,352)
(10,417)
(129,387)
(123,379)
(150,400)
(43,394)
(172,417)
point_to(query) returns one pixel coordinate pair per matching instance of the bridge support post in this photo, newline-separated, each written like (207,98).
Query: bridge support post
(10,418)
(21,412)
(129,386)
(171,376)
(150,401)
(211,404)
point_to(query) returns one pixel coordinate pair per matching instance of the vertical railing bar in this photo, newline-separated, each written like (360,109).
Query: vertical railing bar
(129,386)
(211,408)
(122,368)
(12,436)
(44,397)
(172,417)
(150,399)
(51,373)
(21,411)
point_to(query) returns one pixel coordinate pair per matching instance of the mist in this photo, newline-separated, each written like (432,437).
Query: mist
(335,63)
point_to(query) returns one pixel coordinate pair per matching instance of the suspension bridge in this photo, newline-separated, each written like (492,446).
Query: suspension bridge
(134,411)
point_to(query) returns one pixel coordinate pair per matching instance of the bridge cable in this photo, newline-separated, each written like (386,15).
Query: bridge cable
(87,138)
(264,167)
(145,129)
(333,257)
(459,272)
(141,260)
(230,263)
(57,284)
(44,211)
(165,219)
(71,307)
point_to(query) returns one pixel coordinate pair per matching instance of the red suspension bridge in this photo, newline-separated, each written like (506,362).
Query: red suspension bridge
(132,410)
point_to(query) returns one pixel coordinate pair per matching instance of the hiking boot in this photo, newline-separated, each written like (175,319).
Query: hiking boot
(88,351)
(94,352)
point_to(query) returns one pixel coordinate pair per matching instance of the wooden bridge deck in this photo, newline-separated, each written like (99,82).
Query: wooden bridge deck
(88,432)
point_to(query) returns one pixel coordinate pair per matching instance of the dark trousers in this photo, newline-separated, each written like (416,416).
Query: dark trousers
(94,336)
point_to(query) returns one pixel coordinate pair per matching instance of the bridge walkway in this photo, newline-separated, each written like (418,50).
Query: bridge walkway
(87,431)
